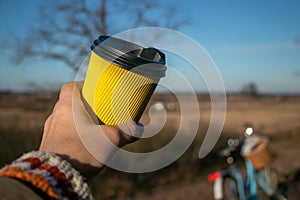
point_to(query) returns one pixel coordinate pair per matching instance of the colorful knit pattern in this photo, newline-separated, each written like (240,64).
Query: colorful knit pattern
(49,173)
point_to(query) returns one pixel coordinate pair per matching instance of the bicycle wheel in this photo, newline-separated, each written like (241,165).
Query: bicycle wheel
(230,189)
(267,180)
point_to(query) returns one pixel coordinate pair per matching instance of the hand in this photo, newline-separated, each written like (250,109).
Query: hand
(61,134)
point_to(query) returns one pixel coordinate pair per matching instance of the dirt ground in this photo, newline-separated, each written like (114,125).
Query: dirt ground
(277,117)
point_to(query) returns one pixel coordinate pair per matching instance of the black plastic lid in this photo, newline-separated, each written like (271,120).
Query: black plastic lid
(145,61)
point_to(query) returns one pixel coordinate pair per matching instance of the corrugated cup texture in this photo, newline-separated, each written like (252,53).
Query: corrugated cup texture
(121,80)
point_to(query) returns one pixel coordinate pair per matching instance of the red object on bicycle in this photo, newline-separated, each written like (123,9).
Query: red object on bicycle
(214,176)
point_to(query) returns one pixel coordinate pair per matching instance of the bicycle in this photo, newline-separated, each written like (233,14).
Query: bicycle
(230,183)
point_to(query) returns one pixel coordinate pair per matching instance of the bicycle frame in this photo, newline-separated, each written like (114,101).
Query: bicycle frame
(237,184)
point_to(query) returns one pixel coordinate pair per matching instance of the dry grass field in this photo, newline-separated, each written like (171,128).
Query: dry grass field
(21,124)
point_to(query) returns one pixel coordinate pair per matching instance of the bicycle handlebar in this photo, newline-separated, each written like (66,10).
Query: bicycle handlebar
(234,145)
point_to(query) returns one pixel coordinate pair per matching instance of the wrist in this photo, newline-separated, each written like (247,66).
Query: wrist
(49,173)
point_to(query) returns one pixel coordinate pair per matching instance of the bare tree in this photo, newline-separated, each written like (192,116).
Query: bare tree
(250,89)
(65,29)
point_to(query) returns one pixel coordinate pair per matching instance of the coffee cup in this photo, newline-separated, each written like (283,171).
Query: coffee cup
(120,79)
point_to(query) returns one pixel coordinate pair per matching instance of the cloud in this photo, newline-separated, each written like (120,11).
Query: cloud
(297,41)
(263,47)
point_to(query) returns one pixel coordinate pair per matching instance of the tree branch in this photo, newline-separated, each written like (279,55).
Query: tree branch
(66,29)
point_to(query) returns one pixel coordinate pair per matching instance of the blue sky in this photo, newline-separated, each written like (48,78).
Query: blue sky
(250,41)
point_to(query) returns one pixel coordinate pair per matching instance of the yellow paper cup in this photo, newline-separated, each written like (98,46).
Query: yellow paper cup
(121,79)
